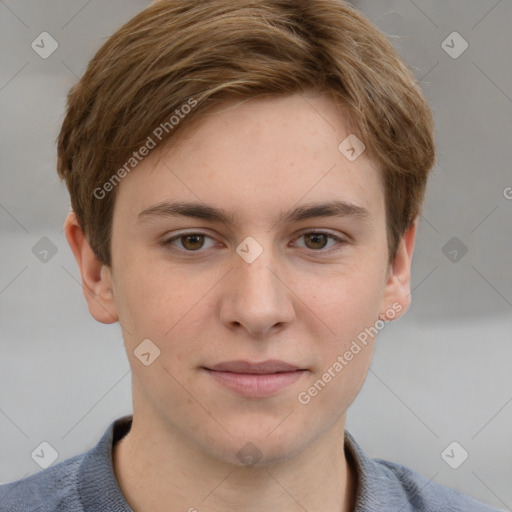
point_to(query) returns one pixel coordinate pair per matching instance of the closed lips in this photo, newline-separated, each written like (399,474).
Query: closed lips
(255,380)
(247,367)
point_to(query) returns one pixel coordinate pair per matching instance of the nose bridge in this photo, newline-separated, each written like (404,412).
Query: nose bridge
(255,269)
(258,298)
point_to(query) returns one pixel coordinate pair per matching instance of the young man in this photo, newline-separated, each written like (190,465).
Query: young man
(246,179)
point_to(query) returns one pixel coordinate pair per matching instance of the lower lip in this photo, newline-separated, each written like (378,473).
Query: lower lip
(256,385)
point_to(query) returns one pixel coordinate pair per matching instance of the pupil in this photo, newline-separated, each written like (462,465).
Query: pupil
(194,246)
(315,236)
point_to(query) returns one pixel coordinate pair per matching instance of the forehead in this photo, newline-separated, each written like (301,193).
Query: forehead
(257,156)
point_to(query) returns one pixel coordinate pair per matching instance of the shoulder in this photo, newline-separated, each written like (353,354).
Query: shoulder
(53,489)
(384,485)
(85,481)
(426,496)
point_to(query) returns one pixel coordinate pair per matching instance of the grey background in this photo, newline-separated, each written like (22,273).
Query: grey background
(440,374)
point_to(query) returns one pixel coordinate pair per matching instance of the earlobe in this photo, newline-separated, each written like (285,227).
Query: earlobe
(397,292)
(96,277)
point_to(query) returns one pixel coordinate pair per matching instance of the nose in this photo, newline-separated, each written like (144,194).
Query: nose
(256,296)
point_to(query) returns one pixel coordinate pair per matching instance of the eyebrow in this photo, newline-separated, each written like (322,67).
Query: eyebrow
(203,211)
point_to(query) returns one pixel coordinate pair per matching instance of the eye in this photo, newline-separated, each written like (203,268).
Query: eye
(190,242)
(317,240)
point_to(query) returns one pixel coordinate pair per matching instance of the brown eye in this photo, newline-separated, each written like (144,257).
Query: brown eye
(192,242)
(188,242)
(316,240)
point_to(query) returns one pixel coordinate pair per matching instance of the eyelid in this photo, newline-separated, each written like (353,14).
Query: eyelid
(323,231)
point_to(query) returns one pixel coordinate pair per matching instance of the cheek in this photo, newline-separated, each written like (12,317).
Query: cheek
(161,303)
(350,307)
(332,392)
(352,299)
(143,299)
(344,356)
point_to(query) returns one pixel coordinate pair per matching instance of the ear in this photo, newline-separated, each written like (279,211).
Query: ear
(397,291)
(96,277)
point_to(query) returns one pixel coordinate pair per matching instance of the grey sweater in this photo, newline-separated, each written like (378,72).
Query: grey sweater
(87,483)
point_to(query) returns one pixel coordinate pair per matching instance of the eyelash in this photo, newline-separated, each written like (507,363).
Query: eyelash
(167,243)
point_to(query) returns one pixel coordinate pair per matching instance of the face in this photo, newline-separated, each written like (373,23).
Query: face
(273,280)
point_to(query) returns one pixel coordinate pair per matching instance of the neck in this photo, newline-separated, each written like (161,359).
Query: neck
(159,473)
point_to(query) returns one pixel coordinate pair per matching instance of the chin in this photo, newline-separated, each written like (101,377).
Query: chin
(256,446)
(258,454)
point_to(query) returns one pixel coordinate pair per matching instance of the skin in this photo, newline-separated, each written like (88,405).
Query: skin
(298,302)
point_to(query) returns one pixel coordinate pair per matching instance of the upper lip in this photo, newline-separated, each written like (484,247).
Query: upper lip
(269,366)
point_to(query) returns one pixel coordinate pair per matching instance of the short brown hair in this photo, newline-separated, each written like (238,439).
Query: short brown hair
(176,51)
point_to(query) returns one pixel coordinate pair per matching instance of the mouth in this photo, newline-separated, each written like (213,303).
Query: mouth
(255,380)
